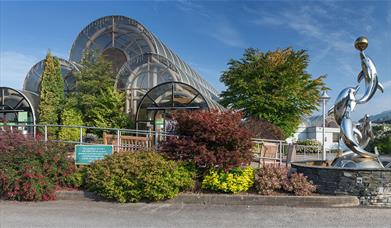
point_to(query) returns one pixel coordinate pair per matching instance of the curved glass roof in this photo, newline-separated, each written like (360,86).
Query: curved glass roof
(16,107)
(33,77)
(138,45)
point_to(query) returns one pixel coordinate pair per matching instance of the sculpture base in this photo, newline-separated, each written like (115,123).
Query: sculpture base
(355,161)
(372,186)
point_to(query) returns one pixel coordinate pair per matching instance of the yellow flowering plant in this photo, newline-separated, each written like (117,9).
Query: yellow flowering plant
(234,181)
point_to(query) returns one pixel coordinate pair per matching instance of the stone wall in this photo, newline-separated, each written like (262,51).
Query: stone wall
(372,186)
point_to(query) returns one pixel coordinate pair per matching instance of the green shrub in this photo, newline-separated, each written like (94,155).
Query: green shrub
(71,116)
(271,179)
(382,139)
(131,177)
(308,146)
(234,181)
(76,179)
(31,169)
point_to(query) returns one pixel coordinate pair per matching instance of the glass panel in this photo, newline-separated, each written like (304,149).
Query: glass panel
(199,102)
(165,99)
(147,102)
(78,48)
(183,95)
(160,93)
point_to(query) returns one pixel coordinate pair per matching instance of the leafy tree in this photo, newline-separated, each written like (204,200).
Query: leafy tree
(99,102)
(71,116)
(51,93)
(272,86)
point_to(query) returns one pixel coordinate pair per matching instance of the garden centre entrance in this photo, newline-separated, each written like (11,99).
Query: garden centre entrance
(16,108)
(156,107)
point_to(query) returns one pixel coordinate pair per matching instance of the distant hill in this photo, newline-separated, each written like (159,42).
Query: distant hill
(384,117)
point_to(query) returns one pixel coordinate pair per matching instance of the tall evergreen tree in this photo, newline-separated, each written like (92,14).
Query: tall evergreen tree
(71,116)
(99,102)
(51,93)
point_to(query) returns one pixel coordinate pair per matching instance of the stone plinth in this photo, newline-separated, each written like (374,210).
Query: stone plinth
(372,186)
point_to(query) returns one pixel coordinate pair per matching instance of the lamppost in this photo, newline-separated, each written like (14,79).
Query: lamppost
(324,98)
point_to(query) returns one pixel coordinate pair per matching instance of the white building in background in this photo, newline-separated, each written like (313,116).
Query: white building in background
(311,128)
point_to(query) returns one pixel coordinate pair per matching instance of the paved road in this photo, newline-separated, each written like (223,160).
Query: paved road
(104,214)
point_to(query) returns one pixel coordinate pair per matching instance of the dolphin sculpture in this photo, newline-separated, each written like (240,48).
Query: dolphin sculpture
(345,103)
(366,133)
(368,73)
(356,136)
(348,137)
(343,107)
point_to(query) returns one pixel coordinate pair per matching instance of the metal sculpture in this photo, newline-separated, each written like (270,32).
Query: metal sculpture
(355,137)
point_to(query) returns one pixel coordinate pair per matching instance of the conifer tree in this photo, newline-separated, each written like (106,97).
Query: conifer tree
(71,116)
(98,100)
(51,93)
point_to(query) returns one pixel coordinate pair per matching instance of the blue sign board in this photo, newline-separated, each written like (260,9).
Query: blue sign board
(85,154)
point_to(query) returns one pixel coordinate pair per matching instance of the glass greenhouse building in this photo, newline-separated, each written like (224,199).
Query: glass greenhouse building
(155,80)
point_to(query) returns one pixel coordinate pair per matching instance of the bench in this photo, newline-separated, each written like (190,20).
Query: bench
(127,143)
(266,153)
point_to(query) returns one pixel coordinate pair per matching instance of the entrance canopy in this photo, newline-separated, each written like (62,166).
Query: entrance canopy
(155,108)
(16,107)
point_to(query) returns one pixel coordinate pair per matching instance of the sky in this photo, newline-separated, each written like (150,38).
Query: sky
(207,34)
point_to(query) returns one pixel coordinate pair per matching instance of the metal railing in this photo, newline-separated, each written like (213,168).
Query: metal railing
(42,131)
(264,149)
(278,151)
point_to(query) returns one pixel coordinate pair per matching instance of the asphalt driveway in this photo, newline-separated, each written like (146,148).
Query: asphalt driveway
(106,214)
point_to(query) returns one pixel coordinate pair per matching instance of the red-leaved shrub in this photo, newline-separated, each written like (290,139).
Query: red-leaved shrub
(31,169)
(263,129)
(271,179)
(299,185)
(209,139)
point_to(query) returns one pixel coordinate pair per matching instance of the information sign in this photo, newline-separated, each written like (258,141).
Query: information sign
(85,154)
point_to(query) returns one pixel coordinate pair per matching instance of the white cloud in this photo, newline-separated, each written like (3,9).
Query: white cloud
(14,67)
(309,21)
(228,35)
(191,7)
(219,27)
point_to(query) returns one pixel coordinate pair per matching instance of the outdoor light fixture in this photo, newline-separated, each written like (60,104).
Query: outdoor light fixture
(324,98)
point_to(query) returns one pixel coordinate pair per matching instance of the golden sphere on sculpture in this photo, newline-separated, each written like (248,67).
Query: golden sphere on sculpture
(361,43)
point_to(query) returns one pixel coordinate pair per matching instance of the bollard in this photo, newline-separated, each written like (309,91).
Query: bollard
(118,139)
(46,133)
(81,135)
